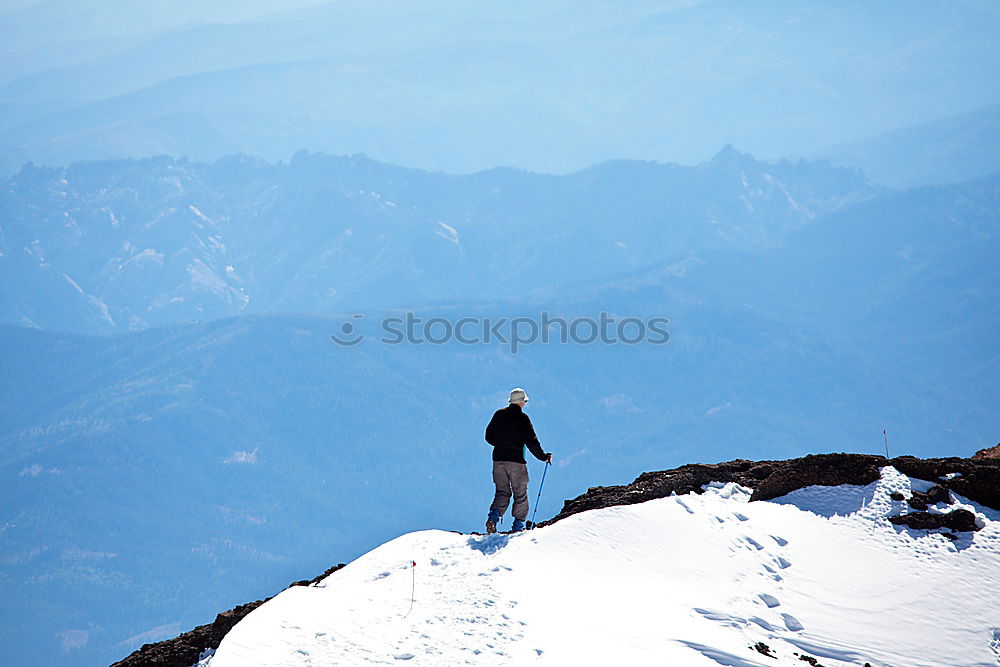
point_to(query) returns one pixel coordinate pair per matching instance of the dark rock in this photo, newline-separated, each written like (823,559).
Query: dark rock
(763,649)
(988,453)
(823,470)
(919,520)
(651,485)
(811,660)
(938,494)
(318,578)
(959,520)
(897,496)
(979,480)
(920,500)
(769,479)
(184,650)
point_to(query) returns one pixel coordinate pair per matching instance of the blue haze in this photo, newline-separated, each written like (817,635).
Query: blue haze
(175,471)
(469,86)
(212,189)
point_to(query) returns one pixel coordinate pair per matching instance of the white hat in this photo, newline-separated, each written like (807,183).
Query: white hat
(517,394)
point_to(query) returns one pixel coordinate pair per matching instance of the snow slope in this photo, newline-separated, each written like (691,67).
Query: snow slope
(686,580)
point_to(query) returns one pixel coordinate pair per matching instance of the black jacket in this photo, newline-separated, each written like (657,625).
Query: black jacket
(509,431)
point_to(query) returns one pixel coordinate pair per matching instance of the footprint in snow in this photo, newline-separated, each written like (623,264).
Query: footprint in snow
(769,600)
(404,656)
(780,540)
(740,516)
(782,563)
(718,655)
(721,617)
(752,542)
(791,623)
(762,623)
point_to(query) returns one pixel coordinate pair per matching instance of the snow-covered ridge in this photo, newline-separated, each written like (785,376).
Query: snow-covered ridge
(693,579)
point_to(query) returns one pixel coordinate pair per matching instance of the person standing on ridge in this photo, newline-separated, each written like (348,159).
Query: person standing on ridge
(509,432)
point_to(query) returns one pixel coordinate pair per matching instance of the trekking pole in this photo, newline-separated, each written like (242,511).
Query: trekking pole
(547,464)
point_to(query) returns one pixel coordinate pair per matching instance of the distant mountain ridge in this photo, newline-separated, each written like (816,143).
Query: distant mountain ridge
(465,87)
(117,246)
(950,150)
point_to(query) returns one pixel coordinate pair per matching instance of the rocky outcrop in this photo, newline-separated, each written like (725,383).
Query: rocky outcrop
(976,479)
(186,649)
(920,500)
(988,453)
(959,520)
(820,470)
(318,578)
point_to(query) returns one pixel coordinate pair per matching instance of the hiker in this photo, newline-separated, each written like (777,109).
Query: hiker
(509,431)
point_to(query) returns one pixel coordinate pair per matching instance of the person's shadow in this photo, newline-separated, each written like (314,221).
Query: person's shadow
(489,544)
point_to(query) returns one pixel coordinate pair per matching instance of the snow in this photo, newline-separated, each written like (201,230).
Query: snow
(203,276)
(686,580)
(194,209)
(147,256)
(100,306)
(448,233)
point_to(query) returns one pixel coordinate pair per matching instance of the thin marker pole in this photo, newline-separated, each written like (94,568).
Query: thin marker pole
(884,435)
(413,586)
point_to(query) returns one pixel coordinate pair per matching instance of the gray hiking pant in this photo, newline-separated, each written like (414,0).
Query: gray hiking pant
(511,479)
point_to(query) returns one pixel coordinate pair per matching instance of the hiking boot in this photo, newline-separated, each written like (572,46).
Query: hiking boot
(491,522)
(517,527)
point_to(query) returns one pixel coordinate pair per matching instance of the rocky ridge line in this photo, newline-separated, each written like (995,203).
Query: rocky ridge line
(977,479)
(988,453)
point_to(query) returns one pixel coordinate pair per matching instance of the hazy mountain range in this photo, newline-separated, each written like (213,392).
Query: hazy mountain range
(808,308)
(464,87)
(117,246)
(949,150)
